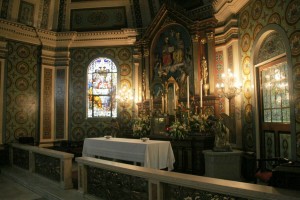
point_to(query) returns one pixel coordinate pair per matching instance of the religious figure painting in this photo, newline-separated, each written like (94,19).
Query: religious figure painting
(172,55)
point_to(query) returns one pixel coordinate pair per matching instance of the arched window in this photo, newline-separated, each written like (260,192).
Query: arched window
(102,85)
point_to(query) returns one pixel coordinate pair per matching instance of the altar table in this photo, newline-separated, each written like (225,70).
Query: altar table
(152,153)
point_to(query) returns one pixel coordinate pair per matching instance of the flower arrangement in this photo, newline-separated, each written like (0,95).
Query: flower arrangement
(141,126)
(178,130)
(202,123)
(199,123)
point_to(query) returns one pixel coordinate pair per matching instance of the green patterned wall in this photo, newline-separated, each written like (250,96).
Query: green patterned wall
(79,125)
(256,15)
(21,97)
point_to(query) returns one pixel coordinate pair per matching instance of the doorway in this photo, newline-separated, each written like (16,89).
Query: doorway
(274,109)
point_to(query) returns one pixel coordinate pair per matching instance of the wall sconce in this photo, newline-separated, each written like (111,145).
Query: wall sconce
(230,85)
(229,88)
(124,96)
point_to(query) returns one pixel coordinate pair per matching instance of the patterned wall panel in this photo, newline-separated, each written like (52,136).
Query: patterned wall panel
(47,103)
(219,70)
(21,91)
(60,91)
(79,125)
(46,8)
(285,145)
(98,19)
(269,145)
(256,15)
(26,13)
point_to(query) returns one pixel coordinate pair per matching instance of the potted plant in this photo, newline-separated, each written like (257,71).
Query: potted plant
(199,123)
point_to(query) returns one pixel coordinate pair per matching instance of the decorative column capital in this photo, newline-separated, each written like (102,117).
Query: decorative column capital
(195,38)
(210,35)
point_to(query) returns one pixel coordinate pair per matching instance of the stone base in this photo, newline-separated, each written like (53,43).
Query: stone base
(223,149)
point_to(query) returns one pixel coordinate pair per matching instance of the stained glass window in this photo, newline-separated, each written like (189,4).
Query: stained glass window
(102,85)
(275,93)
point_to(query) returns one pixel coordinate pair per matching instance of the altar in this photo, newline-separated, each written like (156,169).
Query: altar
(152,153)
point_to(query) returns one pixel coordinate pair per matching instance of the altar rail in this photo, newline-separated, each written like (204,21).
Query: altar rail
(54,165)
(112,180)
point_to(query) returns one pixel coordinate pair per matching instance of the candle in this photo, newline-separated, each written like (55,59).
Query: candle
(174,93)
(201,96)
(163,104)
(188,91)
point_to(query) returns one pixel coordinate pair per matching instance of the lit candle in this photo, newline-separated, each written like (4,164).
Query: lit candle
(188,91)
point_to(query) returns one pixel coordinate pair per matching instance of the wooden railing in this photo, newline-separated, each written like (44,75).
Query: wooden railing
(112,180)
(54,165)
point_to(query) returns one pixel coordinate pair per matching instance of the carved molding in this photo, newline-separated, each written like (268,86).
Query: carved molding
(225,8)
(227,32)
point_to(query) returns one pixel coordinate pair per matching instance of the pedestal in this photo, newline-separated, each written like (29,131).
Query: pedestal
(223,165)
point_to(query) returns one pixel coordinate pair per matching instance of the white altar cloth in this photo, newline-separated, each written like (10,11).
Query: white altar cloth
(152,153)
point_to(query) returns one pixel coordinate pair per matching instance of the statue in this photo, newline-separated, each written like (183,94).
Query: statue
(204,70)
(221,136)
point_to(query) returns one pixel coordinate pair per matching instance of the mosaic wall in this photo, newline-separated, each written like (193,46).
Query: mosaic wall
(80,126)
(253,18)
(98,19)
(21,98)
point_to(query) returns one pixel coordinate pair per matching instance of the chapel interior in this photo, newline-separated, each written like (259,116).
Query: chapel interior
(216,79)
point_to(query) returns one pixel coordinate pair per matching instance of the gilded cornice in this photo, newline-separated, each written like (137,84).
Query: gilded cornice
(225,8)
(201,13)
(105,38)
(203,25)
(13,30)
(230,34)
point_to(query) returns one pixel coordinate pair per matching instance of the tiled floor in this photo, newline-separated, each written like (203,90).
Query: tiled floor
(20,185)
(10,190)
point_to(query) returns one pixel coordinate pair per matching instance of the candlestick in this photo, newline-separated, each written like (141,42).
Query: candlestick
(174,93)
(188,91)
